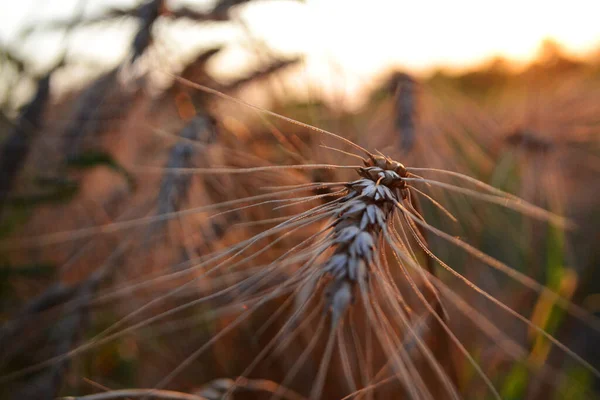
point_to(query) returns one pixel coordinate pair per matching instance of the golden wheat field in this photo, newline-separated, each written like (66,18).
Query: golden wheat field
(172,230)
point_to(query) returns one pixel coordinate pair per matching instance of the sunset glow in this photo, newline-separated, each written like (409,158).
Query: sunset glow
(343,43)
(365,36)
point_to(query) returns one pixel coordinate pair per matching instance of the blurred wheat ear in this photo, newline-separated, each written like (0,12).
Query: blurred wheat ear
(197,134)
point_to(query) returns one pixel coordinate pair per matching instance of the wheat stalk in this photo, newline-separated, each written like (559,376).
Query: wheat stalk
(361,262)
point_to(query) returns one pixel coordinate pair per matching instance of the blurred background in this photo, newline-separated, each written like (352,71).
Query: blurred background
(508,93)
(344,45)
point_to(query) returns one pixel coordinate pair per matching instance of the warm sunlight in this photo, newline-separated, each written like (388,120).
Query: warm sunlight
(363,36)
(357,37)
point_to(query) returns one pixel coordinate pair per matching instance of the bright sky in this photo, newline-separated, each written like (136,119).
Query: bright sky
(355,38)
